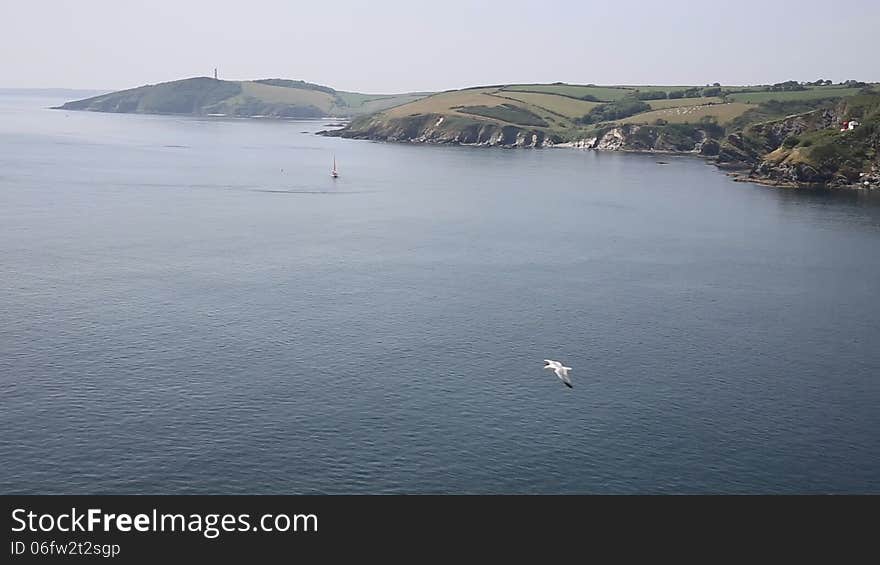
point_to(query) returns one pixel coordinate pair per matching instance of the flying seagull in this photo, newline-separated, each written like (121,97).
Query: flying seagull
(560,370)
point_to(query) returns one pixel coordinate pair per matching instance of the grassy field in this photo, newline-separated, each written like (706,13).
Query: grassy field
(557,110)
(602,93)
(680,102)
(814,93)
(282,95)
(509,113)
(368,103)
(724,113)
(562,105)
(653,87)
(446,102)
(342,103)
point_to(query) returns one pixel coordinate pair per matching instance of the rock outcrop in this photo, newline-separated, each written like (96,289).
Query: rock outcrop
(745,150)
(433,128)
(676,138)
(809,149)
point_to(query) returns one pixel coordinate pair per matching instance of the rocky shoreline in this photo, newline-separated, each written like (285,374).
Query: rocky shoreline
(756,154)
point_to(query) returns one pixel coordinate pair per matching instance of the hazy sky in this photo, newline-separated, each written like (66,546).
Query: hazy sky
(393,46)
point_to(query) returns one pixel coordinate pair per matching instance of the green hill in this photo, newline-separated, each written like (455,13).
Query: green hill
(275,98)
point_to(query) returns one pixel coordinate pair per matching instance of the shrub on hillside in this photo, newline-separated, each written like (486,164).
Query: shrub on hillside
(651,95)
(613,111)
(790,141)
(787,86)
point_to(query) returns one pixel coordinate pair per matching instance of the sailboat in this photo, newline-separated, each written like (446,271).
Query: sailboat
(334,173)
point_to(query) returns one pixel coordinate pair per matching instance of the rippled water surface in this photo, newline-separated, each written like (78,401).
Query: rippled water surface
(194,305)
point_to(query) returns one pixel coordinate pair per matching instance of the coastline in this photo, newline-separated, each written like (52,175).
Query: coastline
(736,174)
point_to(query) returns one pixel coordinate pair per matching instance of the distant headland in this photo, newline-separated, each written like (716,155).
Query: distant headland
(265,98)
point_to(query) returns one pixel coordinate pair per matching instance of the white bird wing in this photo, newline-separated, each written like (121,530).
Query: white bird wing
(562,373)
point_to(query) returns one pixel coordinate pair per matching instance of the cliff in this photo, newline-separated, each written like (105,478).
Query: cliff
(434,128)
(810,149)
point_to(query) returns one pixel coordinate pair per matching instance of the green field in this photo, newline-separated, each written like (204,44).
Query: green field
(448,102)
(682,102)
(653,87)
(602,93)
(561,105)
(813,93)
(536,109)
(283,95)
(358,103)
(507,113)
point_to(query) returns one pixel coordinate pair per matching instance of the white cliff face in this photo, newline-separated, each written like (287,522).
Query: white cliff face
(585,143)
(524,139)
(614,140)
(496,138)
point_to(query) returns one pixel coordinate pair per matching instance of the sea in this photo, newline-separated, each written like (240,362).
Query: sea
(193,305)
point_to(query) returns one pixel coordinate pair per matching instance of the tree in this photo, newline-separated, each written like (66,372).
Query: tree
(614,111)
(651,95)
(790,141)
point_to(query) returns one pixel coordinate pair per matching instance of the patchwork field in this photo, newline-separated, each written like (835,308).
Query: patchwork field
(561,105)
(447,102)
(560,108)
(601,93)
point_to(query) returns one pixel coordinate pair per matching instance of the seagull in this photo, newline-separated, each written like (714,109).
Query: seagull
(560,370)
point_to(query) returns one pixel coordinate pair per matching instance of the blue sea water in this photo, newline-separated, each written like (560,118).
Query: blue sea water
(195,306)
